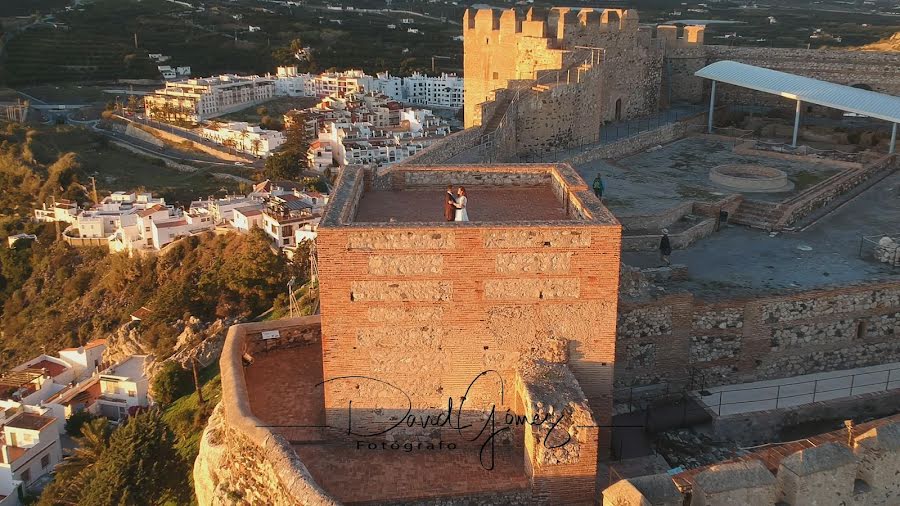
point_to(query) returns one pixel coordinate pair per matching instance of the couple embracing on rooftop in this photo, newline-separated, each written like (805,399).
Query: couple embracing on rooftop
(455,204)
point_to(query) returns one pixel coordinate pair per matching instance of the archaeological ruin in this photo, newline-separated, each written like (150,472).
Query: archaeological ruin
(542,352)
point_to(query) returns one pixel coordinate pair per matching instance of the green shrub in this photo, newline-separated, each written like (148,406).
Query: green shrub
(171,382)
(77,421)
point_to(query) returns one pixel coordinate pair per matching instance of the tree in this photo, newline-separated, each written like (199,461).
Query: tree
(140,466)
(170,383)
(284,165)
(72,474)
(254,146)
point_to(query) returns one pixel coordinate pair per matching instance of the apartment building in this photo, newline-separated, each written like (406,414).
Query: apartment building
(244,137)
(445,90)
(195,100)
(123,387)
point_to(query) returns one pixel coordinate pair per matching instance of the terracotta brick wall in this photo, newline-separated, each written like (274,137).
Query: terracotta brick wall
(428,309)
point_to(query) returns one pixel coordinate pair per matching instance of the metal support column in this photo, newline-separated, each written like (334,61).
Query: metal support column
(893,147)
(712,105)
(796,124)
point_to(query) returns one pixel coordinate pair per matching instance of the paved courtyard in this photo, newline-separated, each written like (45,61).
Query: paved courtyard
(653,181)
(744,261)
(484,204)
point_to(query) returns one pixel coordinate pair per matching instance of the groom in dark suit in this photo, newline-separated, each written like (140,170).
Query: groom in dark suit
(449,201)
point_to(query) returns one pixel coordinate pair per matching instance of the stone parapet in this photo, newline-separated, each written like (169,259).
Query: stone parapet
(824,472)
(236,446)
(820,475)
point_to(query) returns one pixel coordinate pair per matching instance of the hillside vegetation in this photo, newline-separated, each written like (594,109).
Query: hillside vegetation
(54,296)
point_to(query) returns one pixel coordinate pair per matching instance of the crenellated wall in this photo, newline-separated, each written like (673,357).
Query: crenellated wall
(851,470)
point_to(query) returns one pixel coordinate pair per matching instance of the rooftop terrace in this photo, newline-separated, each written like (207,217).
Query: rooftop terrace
(497,194)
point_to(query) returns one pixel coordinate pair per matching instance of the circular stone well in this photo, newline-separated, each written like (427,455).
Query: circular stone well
(750,178)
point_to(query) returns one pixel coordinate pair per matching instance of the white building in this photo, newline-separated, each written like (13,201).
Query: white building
(244,137)
(158,226)
(124,386)
(445,90)
(29,450)
(247,218)
(60,210)
(35,399)
(195,100)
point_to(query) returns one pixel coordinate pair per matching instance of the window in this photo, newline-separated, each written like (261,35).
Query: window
(26,475)
(45,461)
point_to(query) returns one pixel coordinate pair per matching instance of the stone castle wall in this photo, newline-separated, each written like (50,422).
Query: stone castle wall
(763,338)
(876,70)
(573,69)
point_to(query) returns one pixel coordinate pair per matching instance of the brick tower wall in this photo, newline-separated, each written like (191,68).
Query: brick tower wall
(428,309)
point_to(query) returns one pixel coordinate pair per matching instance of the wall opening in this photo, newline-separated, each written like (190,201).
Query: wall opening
(861,328)
(618,109)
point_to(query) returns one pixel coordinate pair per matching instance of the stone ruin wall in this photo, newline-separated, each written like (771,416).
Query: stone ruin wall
(858,469)
(763,338)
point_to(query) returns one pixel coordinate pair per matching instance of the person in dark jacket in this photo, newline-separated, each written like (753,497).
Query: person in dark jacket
(665,247)
(598,187)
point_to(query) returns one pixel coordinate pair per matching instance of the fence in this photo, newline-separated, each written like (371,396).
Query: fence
(884,248)
(798,392)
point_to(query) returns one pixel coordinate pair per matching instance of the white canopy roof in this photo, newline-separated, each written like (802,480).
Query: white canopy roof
(813,91)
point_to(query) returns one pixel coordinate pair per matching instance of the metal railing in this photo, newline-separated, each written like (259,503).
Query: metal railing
(778,397)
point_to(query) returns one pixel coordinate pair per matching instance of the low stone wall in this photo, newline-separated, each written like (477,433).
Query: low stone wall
(829,471)
(644,140)
(748,148)
(656,221)
(240,460)
(680,240)
(822,194)
(157,133)
(679,338)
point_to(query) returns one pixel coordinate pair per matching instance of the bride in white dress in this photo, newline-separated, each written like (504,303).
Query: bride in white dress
(461,213)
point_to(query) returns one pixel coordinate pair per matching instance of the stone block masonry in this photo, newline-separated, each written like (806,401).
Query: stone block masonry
(679,338)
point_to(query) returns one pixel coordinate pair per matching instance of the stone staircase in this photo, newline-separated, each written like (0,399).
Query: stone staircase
(755,214)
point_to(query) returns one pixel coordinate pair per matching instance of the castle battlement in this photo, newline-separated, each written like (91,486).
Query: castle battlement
(692,35)
(561,23)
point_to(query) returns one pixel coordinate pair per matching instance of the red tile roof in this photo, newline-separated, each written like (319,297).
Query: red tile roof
(150,210)
(89,345)
(52,368)
(171,224)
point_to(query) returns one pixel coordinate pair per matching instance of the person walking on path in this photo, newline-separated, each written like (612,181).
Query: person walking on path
(598,186)
(665,247)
